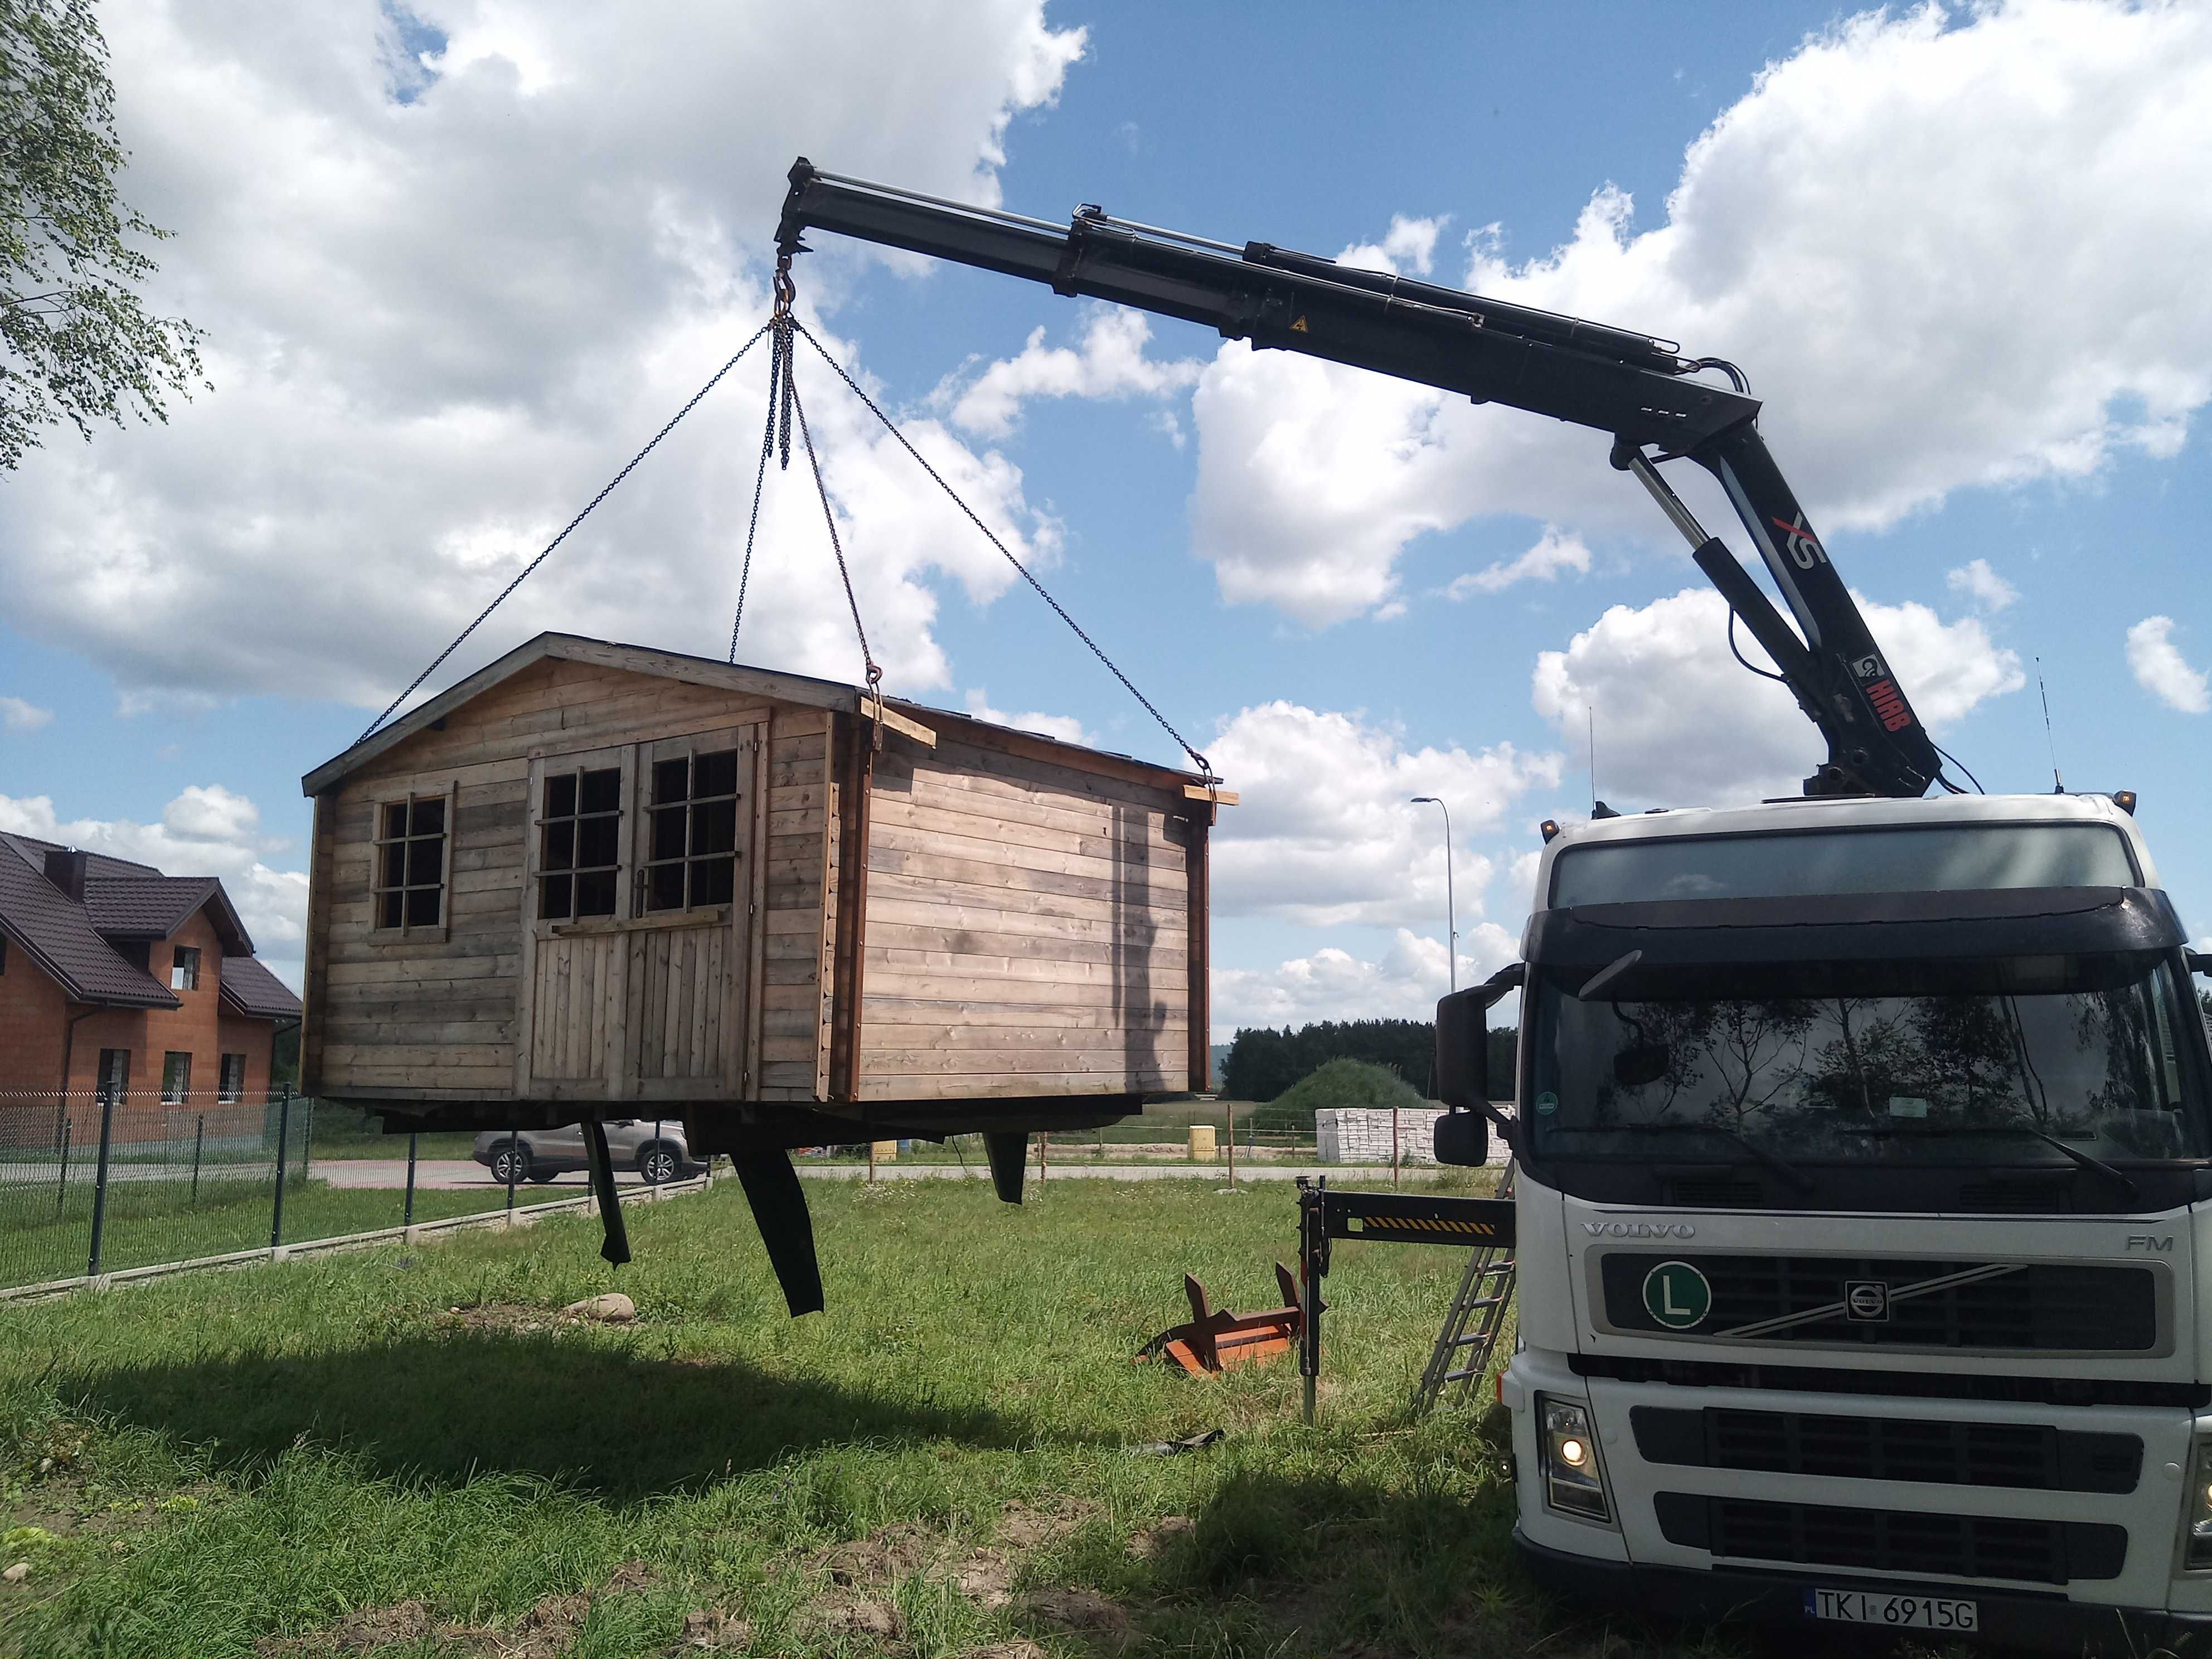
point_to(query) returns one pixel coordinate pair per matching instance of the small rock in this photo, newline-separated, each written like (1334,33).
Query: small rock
(613,1308)
(713,1628)
(16,1574)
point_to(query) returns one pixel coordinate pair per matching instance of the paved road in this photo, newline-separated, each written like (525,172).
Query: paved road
(457,1173)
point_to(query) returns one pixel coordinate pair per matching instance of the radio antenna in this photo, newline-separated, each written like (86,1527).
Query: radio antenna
(1590,713)
(2058,783)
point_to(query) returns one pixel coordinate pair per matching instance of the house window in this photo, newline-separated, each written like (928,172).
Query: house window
(176,1077)
(579,843)
(185,969)
(411,862)
(693,856)
(231,1088)
(115,1074)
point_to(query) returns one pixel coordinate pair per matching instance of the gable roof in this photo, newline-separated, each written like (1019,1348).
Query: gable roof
(251,989)
(58,935)
(76,943)
(911,718)
(154,907)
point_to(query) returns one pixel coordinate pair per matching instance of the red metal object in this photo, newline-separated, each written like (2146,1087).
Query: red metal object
(1216,1339)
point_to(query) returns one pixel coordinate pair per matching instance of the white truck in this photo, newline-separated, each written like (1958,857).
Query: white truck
(1865,1169)
(1861,1137)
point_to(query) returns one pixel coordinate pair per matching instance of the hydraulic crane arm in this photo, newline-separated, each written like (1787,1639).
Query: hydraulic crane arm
(1638,390)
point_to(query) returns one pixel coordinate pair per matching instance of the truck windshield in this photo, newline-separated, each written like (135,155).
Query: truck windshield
(1858,1079)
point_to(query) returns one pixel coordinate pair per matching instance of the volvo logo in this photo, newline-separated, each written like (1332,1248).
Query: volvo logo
(1639,1230)
(1866,1301)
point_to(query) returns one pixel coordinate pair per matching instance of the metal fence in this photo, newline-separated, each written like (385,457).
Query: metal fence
(99,1182)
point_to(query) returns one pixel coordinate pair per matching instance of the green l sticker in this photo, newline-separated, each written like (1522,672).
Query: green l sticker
(1676,1295)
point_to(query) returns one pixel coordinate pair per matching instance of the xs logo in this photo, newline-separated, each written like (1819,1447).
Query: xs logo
(2150,1242)
(1804,549)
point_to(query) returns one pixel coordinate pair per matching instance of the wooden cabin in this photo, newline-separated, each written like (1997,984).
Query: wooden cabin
(593,879)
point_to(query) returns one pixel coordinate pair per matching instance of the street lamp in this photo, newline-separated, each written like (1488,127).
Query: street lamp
(1452,907)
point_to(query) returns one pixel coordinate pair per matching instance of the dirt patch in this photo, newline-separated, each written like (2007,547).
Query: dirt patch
(1019,1648)
(881,1558)
(713,1629)
(502,1316)
(986,1578)
(1082,1612)
(1169,1532)
(847,1611)
(548,1630)
(1024,1527)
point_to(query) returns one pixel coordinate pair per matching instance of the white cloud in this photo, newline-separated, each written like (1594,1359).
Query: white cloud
(1332,983)
(205,831)
(437,326)
(1988,590)
(1408,248)
(1327,833)
(1870,233)
(17,716)
(1065,728)
(1111,364)
(2162,671)
(1553,552)
(1680,722)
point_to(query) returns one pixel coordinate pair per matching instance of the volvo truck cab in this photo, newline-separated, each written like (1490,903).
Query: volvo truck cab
(1865,1170)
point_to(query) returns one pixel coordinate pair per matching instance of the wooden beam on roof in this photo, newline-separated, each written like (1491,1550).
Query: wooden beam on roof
(1200,792)
(882,714)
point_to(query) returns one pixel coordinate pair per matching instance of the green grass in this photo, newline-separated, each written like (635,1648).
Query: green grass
(341,1132)
(200,1465)
(150,1222)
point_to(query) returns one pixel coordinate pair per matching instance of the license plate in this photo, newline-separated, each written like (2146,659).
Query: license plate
(1896,1612)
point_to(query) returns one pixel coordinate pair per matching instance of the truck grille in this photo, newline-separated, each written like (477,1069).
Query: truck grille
(2017,1454)
(1988,1306)
(1894,1541)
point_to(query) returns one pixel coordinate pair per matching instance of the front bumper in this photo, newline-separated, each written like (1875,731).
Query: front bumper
(2035,1623)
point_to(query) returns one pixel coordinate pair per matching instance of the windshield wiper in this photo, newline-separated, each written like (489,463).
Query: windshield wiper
(1790,1172)
(2085,1159)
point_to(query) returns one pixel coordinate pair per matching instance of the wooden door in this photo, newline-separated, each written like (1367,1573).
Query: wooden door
(633,969)
(692,852)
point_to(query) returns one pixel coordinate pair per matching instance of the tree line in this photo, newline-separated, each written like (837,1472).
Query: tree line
(1263,1062)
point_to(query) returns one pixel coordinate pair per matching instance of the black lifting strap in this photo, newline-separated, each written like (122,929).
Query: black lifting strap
(780,1210)
(616,1249)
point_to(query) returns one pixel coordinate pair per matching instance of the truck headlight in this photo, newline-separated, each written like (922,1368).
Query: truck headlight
(2196,1551)
(1574,1482)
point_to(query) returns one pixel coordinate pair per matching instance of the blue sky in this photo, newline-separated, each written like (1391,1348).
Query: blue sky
(457,268)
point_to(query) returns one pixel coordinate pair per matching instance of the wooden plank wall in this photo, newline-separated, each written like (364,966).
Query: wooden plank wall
(436,1019)
(799,913)
(1027,929)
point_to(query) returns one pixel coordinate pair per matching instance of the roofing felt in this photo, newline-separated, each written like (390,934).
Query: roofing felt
(154,907)
(59,936)
(251,989)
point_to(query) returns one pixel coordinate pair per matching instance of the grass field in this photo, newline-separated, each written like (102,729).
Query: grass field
(409,1454)
(150,1222)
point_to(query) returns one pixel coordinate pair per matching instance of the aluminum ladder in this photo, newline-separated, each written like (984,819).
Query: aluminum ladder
(1472,1322)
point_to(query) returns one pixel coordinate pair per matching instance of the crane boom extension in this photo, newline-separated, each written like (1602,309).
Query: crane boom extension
(1637,389)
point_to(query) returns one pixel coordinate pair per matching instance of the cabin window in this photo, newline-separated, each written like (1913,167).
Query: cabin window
(185,969)
(579,843)
(231,1087)
(176,1077)
(692,857)
(411,862)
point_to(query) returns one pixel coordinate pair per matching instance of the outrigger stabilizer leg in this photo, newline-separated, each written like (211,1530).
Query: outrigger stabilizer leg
(779,1206)
(1009,1153)
(615,1250)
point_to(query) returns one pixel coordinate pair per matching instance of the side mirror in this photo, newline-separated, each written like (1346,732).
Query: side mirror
(1463,1048)
(2199,962)
(1463,1138)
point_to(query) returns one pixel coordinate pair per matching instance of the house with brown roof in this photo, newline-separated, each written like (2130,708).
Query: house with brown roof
(117,978)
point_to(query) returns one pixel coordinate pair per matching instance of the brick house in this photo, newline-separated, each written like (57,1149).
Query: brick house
(116,978)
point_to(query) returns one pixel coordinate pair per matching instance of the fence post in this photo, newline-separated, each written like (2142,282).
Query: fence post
(407,1218)
(283,1130)
(99,1180)
(513,1169)
(61,1188)
(1229,1108)
(307,1138)
(199,1139)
